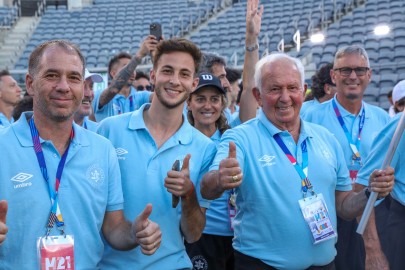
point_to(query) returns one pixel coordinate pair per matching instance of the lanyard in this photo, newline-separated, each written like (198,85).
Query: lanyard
(55,215)
(302,171)
(131,105)
(354,146)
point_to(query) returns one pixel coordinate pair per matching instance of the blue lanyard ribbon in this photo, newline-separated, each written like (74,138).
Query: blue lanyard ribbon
(302,171)
(55,215)
(355,146)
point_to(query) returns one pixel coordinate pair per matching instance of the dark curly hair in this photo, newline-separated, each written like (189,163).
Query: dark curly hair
(321,77)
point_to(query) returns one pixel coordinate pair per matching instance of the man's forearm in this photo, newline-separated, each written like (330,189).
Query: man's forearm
(119,234)
(248,104)
(352,205)
(192,218)
(210,189)
(119,81)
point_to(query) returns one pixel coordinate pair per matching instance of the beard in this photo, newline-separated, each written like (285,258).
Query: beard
(170,105)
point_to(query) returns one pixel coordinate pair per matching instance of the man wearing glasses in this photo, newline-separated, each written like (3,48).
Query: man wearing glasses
(355,125)
(142,82)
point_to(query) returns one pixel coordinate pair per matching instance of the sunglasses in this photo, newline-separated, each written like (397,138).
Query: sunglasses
(346,71)
(144,87)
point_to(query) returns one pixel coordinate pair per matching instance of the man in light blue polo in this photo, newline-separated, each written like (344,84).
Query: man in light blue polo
(60,181)
(355,124)
(148,142)
(81,117)
(295,180)
(120,96)
(396,218)
(10,95)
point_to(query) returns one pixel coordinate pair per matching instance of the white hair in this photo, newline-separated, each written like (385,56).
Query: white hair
(273,58)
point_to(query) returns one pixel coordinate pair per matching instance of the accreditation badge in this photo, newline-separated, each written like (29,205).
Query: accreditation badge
(316,215)
(232,209)
(56,252)
(354,169)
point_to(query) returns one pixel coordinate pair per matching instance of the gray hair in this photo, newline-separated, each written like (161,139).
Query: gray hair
(273,58)
(209,60)
(352,49)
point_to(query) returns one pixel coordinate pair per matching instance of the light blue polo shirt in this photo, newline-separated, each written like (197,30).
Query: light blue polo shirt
(269,224)
(4,120)
(217,216)
(375,119)
(143,169)
(233,118)
(308,105)
(89,125)
(89,187)
(377,155)
(120,104)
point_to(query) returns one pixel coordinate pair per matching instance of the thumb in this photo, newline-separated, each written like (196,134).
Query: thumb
(143,217)
(232,150)
(3,211)
(186,162)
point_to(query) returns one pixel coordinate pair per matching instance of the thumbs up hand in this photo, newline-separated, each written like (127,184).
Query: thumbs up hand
(178,182)
(3,227)
(147,233)
(230,173)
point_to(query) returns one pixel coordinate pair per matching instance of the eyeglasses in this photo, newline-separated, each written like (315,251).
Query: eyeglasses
(144,87)
(346,71)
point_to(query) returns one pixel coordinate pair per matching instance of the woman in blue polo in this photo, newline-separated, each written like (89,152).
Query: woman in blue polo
(205,111)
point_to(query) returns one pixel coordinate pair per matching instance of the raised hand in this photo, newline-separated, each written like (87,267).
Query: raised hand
(3,214)
(147,233)
(253,18)
(230,174)
(148,46)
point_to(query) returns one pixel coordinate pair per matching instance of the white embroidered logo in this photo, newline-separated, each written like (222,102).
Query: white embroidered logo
(207,77)
(120,153)
(266,160)
(95,175)
(21,178)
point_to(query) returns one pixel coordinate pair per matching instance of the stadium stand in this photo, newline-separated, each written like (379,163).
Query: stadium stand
(107,27)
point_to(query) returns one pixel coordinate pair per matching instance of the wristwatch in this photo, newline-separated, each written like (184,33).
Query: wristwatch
(252,48)
(367,193)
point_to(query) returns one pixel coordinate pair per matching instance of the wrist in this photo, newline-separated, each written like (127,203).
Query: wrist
(190,192)
(367,192)
(251,47)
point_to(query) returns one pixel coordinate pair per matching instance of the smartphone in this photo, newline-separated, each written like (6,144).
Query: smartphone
(156,30)
(175,199)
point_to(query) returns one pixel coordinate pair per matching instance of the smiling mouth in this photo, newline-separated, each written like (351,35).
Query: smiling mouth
(207,114)
(284,108)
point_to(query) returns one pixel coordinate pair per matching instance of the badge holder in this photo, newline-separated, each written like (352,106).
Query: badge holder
(55,252)
(232,209)
(316,215)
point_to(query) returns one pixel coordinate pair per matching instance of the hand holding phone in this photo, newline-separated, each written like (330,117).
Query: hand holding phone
(156,30)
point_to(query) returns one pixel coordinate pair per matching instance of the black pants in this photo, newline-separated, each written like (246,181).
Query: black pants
(212,251)
(244,262)
(396,236)
(351,254)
